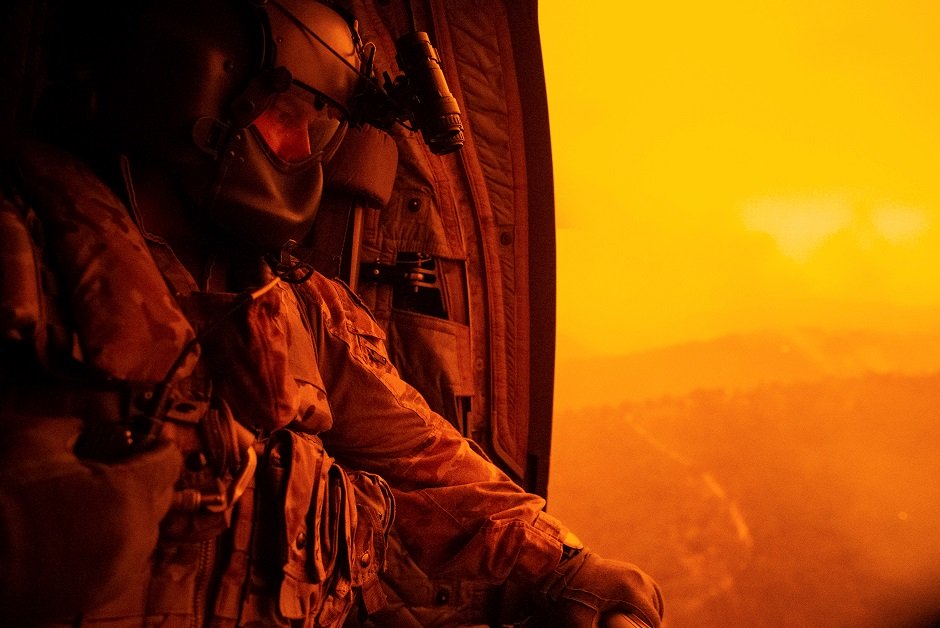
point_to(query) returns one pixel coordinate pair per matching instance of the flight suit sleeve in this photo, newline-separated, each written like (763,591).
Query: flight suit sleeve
(457,513)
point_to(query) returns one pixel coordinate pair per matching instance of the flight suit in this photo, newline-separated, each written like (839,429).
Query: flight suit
(340,441)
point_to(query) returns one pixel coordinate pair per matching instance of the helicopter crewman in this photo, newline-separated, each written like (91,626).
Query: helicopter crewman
(197,428)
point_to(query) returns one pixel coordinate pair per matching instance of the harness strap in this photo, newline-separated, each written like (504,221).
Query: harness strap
(234,579)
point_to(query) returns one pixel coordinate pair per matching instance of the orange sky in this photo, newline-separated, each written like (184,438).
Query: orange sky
(730,166)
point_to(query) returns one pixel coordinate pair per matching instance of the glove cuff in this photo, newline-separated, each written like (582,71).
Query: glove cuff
(543,552)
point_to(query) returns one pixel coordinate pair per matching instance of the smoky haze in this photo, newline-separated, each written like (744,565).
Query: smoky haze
(748,352)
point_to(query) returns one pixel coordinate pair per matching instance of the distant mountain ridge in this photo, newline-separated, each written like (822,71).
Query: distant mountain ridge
(803,504)
(742,361)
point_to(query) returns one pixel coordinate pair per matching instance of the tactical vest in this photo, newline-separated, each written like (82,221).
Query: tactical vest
(265,528)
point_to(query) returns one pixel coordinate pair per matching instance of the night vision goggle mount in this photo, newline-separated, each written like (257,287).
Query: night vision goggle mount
(419,98)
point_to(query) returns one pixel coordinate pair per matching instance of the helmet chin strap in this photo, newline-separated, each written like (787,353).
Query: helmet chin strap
(209,134)
(287,267)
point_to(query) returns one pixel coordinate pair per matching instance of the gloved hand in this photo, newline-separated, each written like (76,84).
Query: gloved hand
(585,588)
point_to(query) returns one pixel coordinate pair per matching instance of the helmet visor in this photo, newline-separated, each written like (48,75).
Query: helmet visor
(299,125)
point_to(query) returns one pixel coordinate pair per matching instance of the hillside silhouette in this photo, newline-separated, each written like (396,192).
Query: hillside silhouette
(741,362)
(810,503)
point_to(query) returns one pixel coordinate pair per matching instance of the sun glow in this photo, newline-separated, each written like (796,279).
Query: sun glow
(728,166)
(801,226)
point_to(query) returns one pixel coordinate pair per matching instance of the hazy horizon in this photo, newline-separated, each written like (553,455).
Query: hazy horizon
(740,361)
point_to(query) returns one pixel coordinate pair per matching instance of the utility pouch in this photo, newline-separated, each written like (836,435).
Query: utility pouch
(329,528)
(375,513)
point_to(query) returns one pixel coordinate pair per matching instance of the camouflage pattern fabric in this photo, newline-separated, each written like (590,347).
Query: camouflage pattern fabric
(322,354)
(457,513)
(104,266)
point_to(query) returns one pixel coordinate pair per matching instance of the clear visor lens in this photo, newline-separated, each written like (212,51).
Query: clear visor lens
(299,124)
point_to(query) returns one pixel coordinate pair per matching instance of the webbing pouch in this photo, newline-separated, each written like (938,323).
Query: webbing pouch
(375,513)
(313,508)
(331,527)
(299,470)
